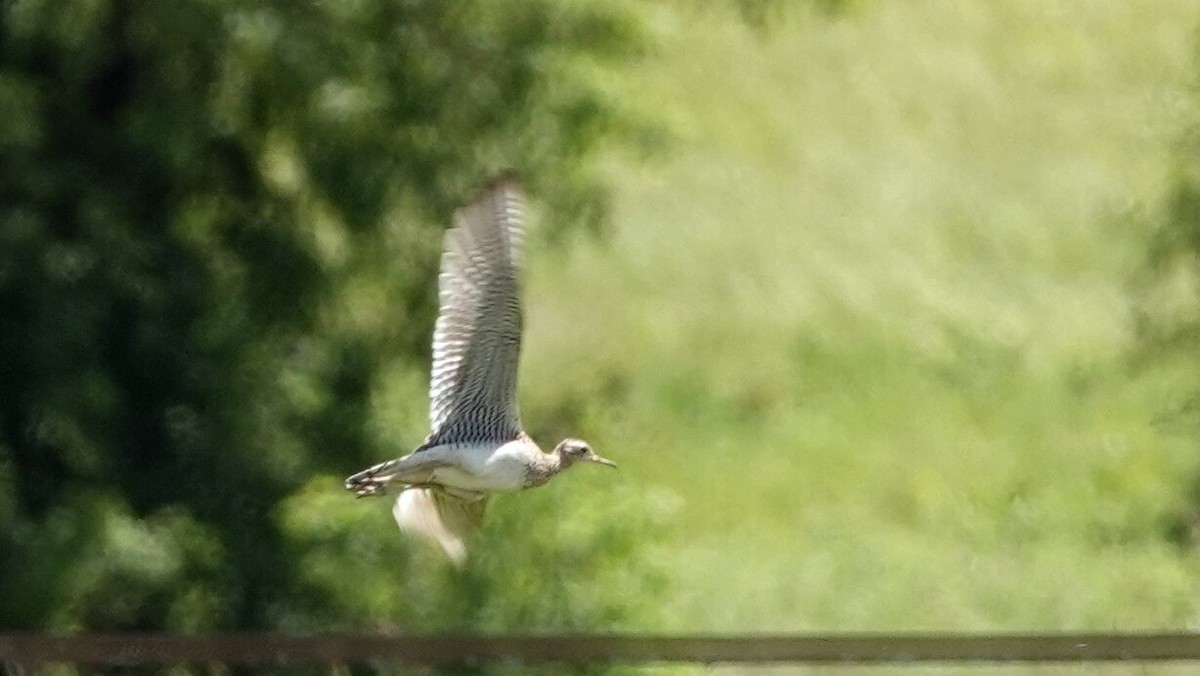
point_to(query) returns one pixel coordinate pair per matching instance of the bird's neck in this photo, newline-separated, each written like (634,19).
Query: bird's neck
(545,466)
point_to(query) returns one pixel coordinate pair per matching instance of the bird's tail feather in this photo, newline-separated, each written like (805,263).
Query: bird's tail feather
(445,519)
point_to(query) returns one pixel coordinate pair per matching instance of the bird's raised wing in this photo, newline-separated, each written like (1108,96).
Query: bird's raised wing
(477,338)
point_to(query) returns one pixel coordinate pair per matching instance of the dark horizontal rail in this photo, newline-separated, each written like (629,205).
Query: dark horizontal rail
(253,649)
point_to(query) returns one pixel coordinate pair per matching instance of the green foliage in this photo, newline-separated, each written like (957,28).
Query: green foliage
(1169,290)
(872,325)
(763,14)
(1167,306)
(219,223)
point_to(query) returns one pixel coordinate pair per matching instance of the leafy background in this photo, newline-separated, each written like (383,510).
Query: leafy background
(887,310)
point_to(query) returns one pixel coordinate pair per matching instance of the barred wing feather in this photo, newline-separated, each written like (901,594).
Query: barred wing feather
(477,338)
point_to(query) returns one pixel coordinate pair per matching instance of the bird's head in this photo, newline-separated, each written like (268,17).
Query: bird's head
(571,451)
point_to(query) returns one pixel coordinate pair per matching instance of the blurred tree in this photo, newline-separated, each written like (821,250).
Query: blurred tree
(218,228)
(1167,305)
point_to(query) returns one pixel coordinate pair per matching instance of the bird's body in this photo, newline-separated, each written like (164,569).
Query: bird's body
(477,446)
(473,468)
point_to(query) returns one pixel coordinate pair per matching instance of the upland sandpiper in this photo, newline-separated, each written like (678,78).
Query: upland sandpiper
(477,446)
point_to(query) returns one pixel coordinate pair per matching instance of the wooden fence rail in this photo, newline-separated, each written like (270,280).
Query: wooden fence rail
(262,649)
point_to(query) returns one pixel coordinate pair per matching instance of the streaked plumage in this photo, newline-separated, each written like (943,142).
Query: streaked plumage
(477,446)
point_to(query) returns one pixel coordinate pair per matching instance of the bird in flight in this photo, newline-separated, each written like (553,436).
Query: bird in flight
(477,446)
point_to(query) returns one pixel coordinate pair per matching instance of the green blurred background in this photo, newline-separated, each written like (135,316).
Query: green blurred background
(889,311)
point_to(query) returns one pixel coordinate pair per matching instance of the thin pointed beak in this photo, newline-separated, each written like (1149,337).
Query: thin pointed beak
(603,461)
